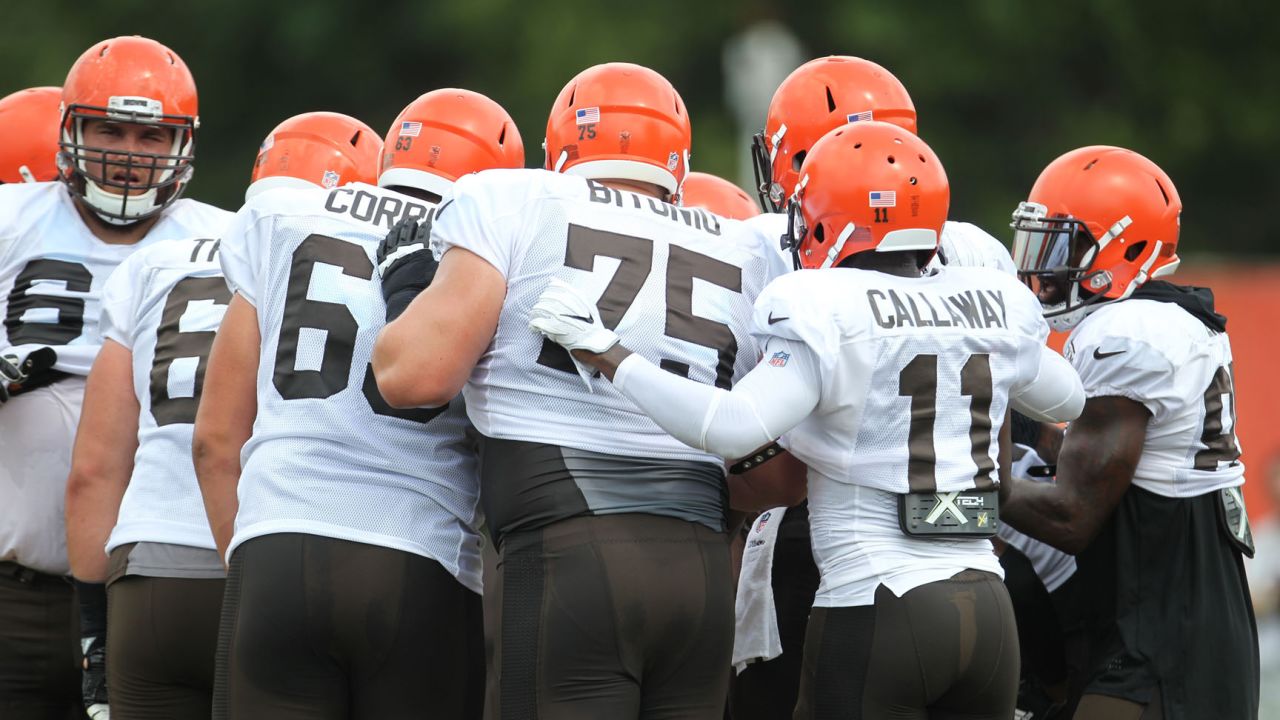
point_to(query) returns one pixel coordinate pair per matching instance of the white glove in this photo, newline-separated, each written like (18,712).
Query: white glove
(100,711)
(570,320)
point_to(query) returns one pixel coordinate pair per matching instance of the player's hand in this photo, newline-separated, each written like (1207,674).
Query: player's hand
(405,264)
(93,676)
(570,320)
(10,373)
(35,371)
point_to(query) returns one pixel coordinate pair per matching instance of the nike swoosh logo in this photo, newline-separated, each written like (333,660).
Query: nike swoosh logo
(773,319)
(579,317)
(1098,354)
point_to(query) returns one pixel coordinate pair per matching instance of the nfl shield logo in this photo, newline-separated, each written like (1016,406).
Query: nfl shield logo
(779,359)
(330,180)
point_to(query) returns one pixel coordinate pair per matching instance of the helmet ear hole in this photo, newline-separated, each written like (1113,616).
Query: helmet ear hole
(819,234)
(798,159)
(1133,251)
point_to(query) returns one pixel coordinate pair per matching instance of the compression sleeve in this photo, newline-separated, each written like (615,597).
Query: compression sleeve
(1055,395)
(773,398)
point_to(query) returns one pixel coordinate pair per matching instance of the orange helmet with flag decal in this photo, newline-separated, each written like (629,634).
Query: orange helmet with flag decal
(620,121)
(817,97)
(446,134)
(867,186)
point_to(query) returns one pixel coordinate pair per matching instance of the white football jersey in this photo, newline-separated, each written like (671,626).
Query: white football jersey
(964,244)
(328,456)
(677,284)
(917,371)
(52,269)
(165,303)
(916,376)
(1158,354)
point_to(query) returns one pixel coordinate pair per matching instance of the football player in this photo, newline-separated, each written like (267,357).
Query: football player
(911,617)
(126,135)
(133,487)
(718,195)
(1148,479)
(31,115)
(354,564)
(615,582)
(817,97)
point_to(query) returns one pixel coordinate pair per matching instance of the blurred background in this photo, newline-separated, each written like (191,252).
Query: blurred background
(1001,86)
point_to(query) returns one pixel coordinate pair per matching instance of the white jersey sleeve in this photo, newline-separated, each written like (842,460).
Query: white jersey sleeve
(1160,356)
(120,302)
(482,216)
(239,258)
(165,303)
(967,245)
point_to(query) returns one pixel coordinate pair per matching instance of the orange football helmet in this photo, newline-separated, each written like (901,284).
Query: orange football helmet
(817,97)
(867,186)
(1099,222)
(620,121)
(29,119)
(446,134)
(137,81)
(718,195)
(324,149)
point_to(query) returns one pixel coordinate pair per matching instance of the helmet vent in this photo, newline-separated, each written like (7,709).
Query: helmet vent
(1163,194)
(355,138)
(798,159)
(572,94)
(857,146)
(1091,163)
(675,102)
(922,158)
(831,101)
(891,160)
(913,181)
(171,60)
(502,135)
(1133,251)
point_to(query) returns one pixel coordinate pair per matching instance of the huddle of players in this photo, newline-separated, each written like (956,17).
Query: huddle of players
(328,387)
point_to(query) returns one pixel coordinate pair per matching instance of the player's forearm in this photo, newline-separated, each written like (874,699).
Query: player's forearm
(217,462)
(93,502)
(413,362)
(1048,513)
(781,481)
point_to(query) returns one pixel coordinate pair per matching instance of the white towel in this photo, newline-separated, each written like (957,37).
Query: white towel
(755,634)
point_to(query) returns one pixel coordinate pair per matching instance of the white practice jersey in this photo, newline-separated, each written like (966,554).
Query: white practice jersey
(676,284)
(165,303)
(964,244)
(52,269)
(916,377)
(1158,354)
(328,456)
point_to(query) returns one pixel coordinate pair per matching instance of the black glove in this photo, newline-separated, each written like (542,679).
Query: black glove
(93,645)
(34,372)
(406,264)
